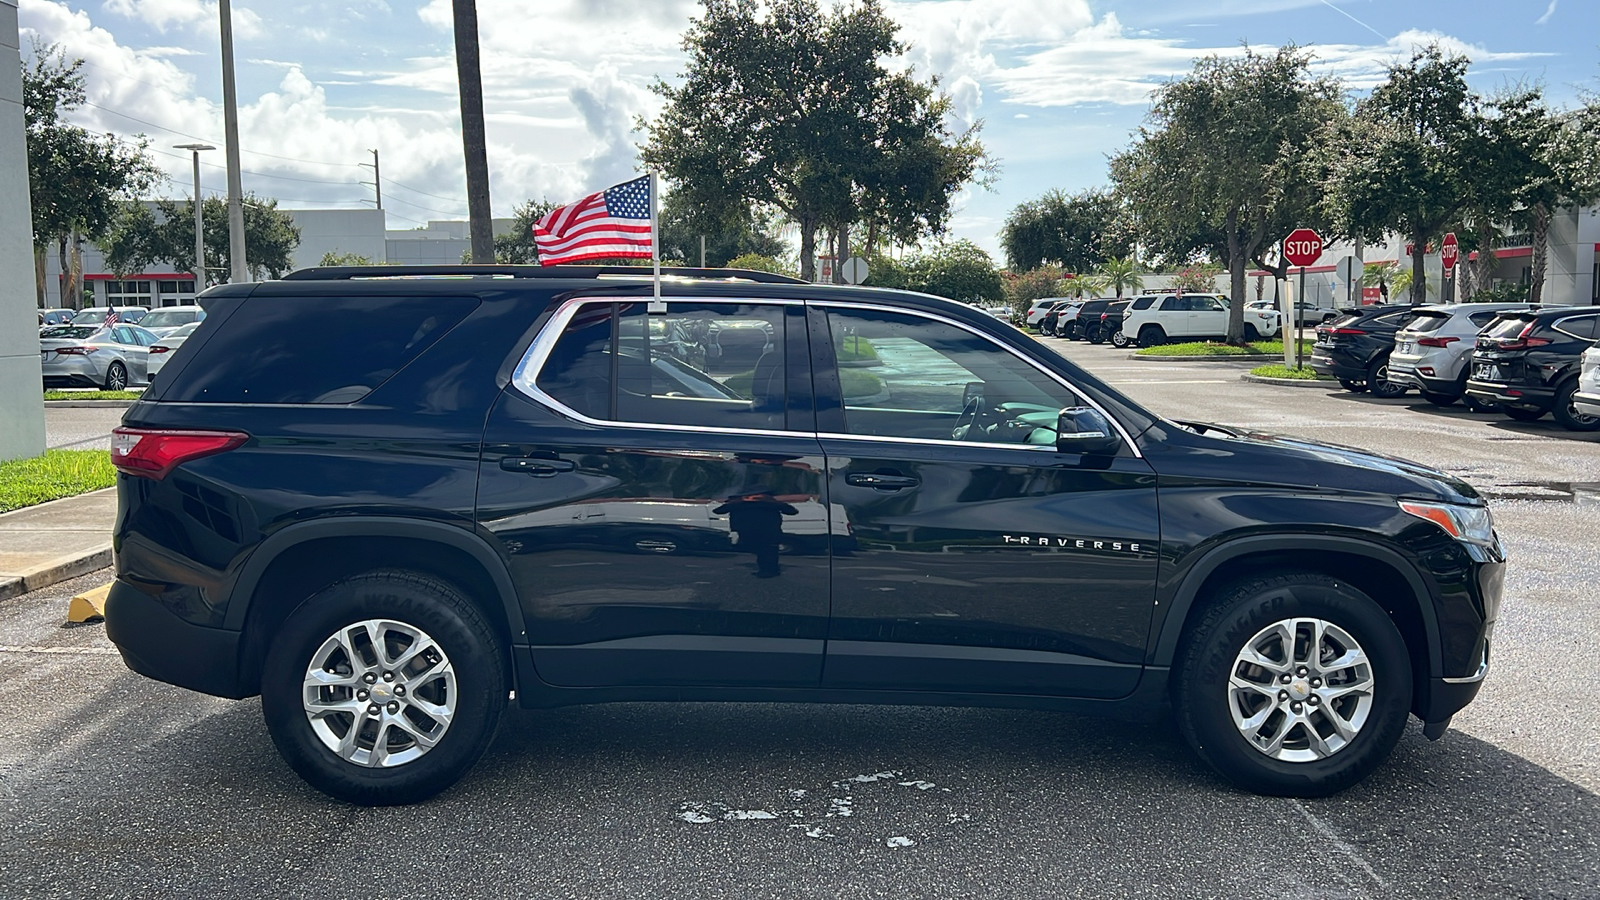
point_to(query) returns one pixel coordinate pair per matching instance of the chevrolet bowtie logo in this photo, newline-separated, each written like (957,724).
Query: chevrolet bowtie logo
(1028,540)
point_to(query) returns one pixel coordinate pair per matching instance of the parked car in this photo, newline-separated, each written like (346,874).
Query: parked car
(1085,324)
(385,536)
(1528,363)
(1306,313)
(168,318)
(1041,308)
(1058,320)
(1355,348)
(55,317)
(1191,317)
(96,315)
(1431,352)
(95,356)
(161,351)
(1587,397)
(1110,323)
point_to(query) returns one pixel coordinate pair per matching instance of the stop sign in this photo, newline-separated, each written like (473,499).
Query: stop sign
(1302,247)
(1448,252)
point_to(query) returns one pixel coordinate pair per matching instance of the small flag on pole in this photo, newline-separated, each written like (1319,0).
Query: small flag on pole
(614,223)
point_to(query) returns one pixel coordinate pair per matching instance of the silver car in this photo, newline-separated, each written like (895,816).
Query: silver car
(168,319)
(96,315)
(95,356)
(161,350)
(1431,353)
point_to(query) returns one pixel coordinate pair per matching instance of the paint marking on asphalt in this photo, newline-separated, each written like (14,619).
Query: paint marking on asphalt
(1339,843)
(85,651)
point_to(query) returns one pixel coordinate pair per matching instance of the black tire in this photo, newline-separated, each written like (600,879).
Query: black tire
(1566,412)
(1239,613)
(1523,415)
(1250,333)
(1378,380)
(1353,386)
(458,629)
(1440,399)
(1095,334)
(1152,336)
(116,377)
(1120,340)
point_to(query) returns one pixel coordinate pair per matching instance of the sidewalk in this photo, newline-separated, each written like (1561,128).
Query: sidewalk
(54,541)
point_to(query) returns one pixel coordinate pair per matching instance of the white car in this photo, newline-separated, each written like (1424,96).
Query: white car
(1587,399)
(1159,318)
(1041,308)
(167,319)
(161,350)
(1431,352)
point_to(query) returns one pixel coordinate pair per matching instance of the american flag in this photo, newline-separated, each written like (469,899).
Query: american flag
(613,223)
(111,317)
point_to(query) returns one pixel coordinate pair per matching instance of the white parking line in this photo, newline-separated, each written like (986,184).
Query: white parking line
(84,651)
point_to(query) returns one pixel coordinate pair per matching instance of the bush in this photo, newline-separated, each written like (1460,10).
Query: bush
(755,262)
(1037,284)
(1505,293)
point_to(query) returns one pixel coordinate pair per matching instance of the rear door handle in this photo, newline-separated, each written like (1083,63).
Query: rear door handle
(881,482)
(538,466)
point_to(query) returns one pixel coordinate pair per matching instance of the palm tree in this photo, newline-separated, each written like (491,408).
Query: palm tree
(1121,274)
(1401,283)
(1085,285)
(1380,275)
(474,145)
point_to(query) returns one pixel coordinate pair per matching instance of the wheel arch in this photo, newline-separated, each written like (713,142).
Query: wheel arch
(1380,572)
(303,558)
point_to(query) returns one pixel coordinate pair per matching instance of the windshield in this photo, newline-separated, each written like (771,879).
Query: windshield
(183,332)
(166,318)
(68,332)
(90,317)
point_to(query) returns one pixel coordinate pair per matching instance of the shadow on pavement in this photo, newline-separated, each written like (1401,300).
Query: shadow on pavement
(717,800)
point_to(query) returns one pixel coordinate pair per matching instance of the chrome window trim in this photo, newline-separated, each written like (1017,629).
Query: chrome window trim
(527,369)
(875,307)
(1565,319)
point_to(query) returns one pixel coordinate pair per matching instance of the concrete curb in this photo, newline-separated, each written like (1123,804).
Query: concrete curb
(77,404)
(55,571)
(1254,359)
(1290,382)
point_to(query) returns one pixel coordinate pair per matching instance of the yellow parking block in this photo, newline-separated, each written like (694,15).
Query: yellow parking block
(90,604)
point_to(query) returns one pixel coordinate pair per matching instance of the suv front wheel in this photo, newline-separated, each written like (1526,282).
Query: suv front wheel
(383,689)
(1293,685)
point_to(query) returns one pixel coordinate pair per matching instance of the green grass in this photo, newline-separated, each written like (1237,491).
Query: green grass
(1209,348)
(56,474)
(853,349)
(91,395)
(857,384)
(1282,371)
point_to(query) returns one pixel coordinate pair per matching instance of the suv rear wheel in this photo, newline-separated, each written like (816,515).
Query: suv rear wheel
(1293,685)
(1152,336)
(384,688)
(1378,380)
(1566,412)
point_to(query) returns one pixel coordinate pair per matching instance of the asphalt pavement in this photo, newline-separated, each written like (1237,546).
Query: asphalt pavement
(113,785)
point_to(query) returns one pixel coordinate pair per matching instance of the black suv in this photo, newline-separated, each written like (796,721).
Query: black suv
(1355,348)
(1086,325)
(383,502)
(1528,363)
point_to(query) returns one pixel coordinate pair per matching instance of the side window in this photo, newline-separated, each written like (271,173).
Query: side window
(1578,326)
(1481,319)
(1143,302)
(906,376)
(122,334)
(706,365)
(1210,304)
(1173,304)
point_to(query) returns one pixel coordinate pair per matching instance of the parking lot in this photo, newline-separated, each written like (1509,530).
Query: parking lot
(114,785)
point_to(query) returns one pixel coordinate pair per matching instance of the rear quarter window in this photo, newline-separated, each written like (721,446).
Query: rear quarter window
(313,349)
(1428,321)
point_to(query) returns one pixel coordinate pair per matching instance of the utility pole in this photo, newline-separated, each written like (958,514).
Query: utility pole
(238,267)
(474,144)
(377,179)
(199,217)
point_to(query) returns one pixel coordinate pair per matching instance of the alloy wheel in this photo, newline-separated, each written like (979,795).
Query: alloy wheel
(379,693)
(1300,690)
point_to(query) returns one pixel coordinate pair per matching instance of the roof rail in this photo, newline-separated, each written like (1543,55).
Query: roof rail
(348,273)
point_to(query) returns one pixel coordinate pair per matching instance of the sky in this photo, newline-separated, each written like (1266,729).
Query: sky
(1059,85)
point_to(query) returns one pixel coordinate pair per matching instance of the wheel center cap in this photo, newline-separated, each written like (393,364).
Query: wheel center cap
(382,692)
(1300,689)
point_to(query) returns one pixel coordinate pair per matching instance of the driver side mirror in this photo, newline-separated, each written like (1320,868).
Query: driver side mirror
(1083,430)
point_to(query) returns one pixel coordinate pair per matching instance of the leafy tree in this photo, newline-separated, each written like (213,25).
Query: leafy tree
(1226,164)
(756,262)
(789,107)
(1404,282)
(1077,232)
(515,247)
(142,236)
(1120,274)
(1197,279)
(1038,284)
(1081,286)
(76,180)
(1380,275)
(959,270)
(730,230)
(332,258)
(1421,142)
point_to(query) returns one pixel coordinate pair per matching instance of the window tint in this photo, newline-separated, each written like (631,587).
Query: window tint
(309,349)
(1143,302)
(1398,319)
(698,364)
(1209,304)
(1173,304)
(934,381)
(1481,319)
(1508,327)
(1578,326)
(140,336)
(1428,321)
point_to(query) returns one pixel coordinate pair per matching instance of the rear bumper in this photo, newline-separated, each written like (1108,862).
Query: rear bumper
(158,644)
(1338,365)
(1523,396)
(1405,372)
(1588,402)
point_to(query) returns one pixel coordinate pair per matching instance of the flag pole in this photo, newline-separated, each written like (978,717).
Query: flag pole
(656,305)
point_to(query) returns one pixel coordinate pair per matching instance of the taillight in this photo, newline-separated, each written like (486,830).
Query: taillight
(153,452)
(75,351)
(1345,331)
(1436,341)
(157,348)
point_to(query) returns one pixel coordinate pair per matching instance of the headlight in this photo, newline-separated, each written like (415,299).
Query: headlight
(1468,524)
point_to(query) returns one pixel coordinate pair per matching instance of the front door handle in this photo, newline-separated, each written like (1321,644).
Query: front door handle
(881,482)
(538,466)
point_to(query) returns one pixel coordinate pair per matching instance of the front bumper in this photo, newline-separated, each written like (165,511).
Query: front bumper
(158,644)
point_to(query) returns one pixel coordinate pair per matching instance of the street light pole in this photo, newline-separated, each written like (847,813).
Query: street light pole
(239,271)
(199,218)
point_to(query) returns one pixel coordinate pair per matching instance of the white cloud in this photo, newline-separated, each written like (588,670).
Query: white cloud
(197,15)
(1548,12)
